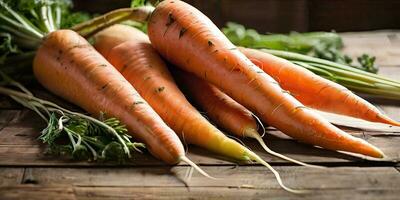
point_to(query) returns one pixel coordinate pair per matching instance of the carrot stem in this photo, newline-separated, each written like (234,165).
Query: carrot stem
(91,27)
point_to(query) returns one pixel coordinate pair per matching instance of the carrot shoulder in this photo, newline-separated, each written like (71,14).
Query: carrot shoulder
(188,39)
(315,91)
(67,65)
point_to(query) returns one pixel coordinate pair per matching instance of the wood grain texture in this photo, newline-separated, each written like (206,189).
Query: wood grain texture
(33,192)
(256,177)
(19,146)
(238,183)
(384,45)
(11,176)
(94,193)
(154,193)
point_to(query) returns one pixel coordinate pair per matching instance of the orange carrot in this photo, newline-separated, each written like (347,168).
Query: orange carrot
(315,91)
(141,65)
(188,39)
(67,65)
(225,111)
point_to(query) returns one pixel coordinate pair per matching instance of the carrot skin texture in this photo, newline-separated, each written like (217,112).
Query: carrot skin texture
(114,35)
(67,65)
(188,39)
(142,66)
(221,108)
(306,87)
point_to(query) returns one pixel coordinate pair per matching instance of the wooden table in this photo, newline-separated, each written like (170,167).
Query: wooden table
(26,173)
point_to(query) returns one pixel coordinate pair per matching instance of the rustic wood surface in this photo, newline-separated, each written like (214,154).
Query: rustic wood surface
(27,173)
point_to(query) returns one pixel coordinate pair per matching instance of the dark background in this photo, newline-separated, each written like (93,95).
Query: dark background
(286,15)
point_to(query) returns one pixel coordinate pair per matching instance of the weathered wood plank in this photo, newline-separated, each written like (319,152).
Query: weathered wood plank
(7,115)
(26,118)
(391,71)
(32,192)
(391,108)
(19,136)
(373,43)
(11,176)
(256,177)
(21,155)
(95,193)
(19,146)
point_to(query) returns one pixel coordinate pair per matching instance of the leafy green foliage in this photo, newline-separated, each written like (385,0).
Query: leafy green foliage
(136,4)
(139,3)
(323,45)
(81,139)
(23,24)
(69,19)
(138,25)
(367,63)
(6,47)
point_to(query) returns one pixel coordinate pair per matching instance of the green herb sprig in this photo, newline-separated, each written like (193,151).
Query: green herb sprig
(325,45)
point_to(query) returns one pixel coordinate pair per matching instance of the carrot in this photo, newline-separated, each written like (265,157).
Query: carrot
(225,111)
(305,86)
(67,65)
(141,65)
(188,39)
(114,35)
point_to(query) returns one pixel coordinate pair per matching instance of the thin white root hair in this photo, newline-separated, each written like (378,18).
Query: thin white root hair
(189,174)
(238,140)
(186,160)
(259,123)
(185,143)
(277,176)
(270,151)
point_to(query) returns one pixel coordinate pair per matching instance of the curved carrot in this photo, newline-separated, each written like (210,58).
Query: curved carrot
(188,39)
(141,65)
(225,111)
(67,65)
(315,91)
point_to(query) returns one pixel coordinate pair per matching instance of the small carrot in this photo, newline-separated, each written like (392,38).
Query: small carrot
(306,87)
(225,111)
(67,65)
(141,65)
(187,38)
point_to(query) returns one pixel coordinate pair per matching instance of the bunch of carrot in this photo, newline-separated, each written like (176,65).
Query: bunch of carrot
(240,89)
